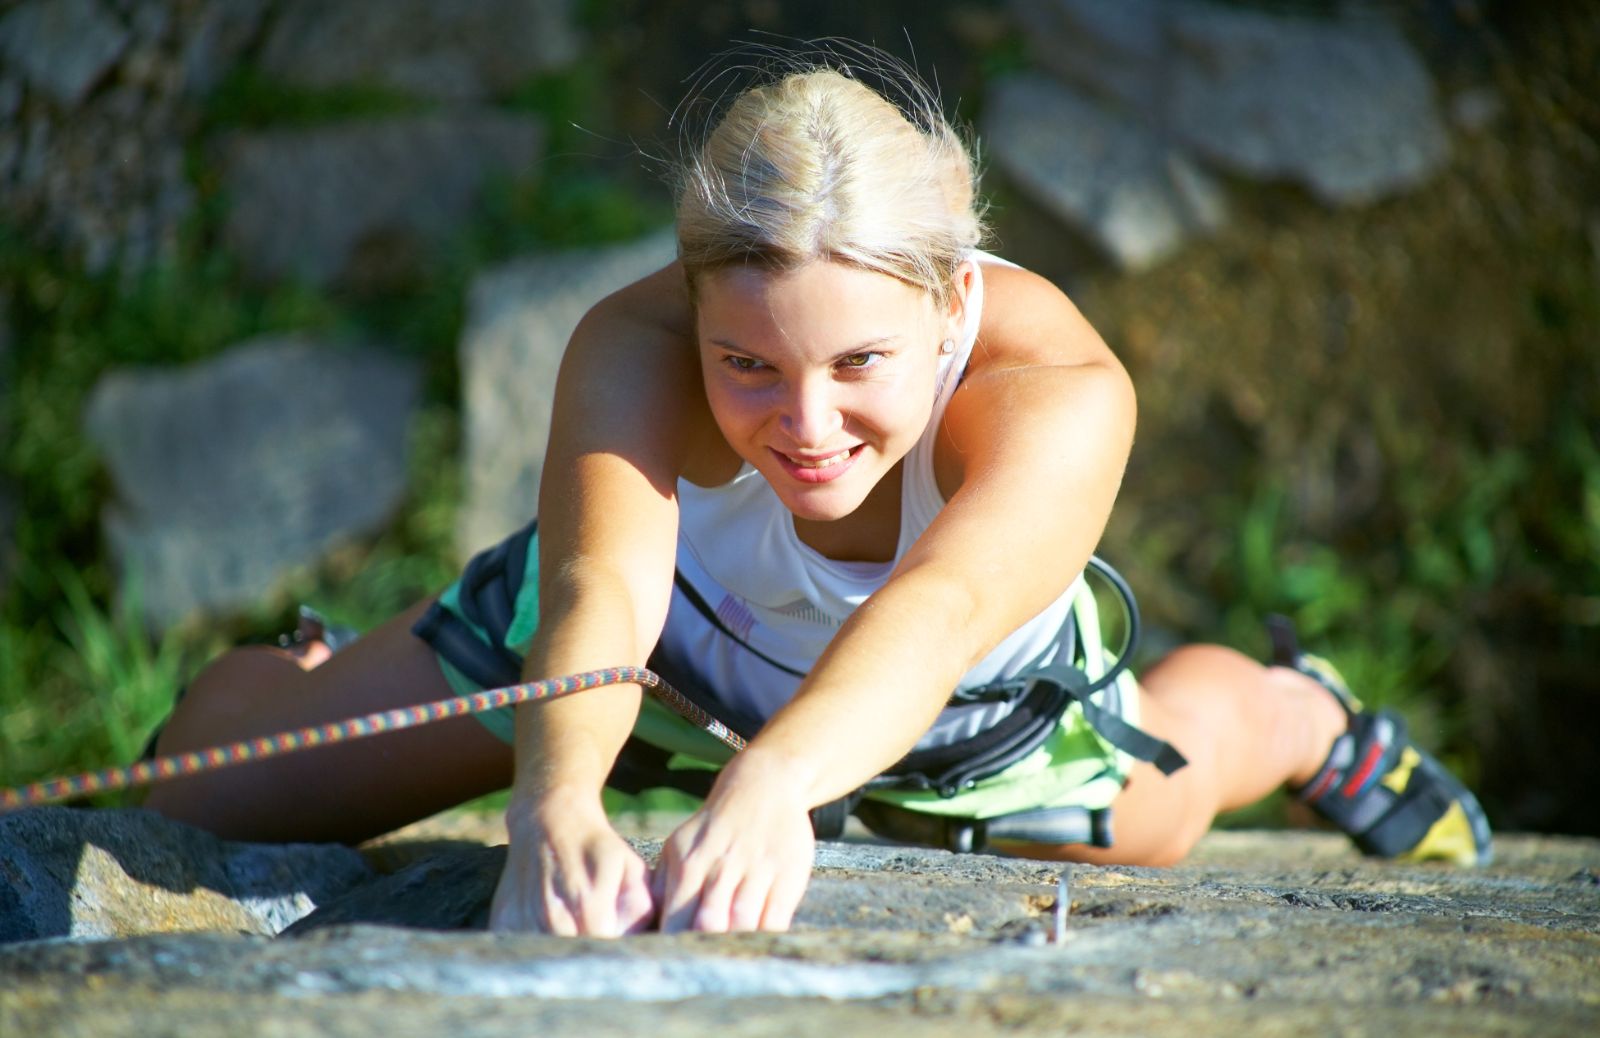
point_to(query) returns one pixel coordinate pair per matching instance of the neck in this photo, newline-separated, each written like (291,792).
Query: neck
(869,534)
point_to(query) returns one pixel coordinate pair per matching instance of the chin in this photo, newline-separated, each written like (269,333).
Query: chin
(819,504)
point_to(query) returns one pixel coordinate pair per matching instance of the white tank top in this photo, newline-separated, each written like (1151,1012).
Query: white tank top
(737,547)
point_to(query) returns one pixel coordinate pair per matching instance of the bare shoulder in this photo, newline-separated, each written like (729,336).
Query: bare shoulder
(1040,377)
(1028,321)
(630,379)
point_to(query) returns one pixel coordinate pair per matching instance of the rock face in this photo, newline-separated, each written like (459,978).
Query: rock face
(1276,932)
(1346,109)
(309,203)
(449,52)
(223,30)
(92,118)
(107,874)
(1135,196)
(232,471)
(519,319)
(1343,106)
(62,47)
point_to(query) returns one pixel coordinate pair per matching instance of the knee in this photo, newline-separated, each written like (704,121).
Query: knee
(1205,659)
(225,696)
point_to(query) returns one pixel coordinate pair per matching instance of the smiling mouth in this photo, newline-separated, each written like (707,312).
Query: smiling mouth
(819,469)
(821,463)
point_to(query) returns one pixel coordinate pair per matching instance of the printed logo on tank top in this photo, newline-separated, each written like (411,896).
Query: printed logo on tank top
(736,616)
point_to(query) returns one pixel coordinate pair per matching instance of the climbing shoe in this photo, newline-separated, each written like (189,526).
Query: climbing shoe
(1394,800)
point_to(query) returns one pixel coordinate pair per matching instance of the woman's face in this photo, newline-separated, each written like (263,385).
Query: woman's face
(822,378)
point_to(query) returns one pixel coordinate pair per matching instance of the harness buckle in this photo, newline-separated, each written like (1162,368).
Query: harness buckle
(998,692)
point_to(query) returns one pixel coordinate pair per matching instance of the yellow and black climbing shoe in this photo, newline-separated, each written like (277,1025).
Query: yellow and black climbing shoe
(1394,800)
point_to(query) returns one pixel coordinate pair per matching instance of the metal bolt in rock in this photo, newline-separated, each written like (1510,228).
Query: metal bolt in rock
(1063,904)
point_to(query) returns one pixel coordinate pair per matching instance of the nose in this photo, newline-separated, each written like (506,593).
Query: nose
(811,412)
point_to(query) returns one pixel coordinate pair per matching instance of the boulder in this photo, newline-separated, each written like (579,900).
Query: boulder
(91,874)
(62,47)
(231,472)
(1344,106)
(1258,933)
(1116,52)
(306,203)
(519,318)
(449,52)
(1105,175)
(222,31)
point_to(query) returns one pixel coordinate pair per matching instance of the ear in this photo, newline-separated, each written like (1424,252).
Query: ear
(960,290)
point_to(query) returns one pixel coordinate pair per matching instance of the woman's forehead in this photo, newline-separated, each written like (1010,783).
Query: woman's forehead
(821,281)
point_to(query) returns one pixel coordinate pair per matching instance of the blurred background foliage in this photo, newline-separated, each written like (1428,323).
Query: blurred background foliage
(1382,422)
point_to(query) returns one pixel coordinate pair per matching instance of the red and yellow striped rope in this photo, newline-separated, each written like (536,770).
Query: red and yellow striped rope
(178,765)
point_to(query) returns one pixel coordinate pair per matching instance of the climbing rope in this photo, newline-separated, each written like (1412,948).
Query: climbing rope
(180,765)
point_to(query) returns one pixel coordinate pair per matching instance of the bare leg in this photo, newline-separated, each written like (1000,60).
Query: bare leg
(347,792)
(1246,729)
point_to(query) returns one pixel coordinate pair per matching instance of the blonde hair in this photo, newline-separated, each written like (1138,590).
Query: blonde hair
(813,164)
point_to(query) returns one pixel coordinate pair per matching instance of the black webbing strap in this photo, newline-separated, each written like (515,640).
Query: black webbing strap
(1138,744)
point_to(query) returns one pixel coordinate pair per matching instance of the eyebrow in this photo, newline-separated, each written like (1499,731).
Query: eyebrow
(863,347)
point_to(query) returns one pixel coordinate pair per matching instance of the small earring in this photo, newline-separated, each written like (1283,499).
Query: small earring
(948,346)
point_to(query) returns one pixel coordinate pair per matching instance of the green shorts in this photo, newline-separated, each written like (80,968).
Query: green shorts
(1074,767)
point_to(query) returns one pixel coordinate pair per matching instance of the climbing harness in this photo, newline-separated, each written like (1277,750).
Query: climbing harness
(471,638)
(488,601)
(180,765)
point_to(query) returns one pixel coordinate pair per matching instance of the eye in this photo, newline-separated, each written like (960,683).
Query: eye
(858,361)
(741,363)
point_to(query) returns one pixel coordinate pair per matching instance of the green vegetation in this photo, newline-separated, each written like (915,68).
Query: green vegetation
(1381,422)
(1384,423)
(81,682)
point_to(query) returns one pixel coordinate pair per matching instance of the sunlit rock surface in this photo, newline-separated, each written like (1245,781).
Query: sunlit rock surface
(1280,932)
(1108,176)
(106,874)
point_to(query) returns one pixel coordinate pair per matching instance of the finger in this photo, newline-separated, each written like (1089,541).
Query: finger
(680,883)
(681,901)
(783,899)
(636,907)
(750,902)
(678,915)
(597,901)
(716,900)
(558,918)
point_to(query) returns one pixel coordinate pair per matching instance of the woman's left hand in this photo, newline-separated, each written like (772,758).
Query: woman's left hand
(741,862)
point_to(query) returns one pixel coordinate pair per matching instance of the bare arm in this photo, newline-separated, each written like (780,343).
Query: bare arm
(1040,432)
(624,403)
(1038,436)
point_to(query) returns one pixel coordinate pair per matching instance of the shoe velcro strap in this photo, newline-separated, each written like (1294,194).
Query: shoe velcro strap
(1285,642)
(1423,803)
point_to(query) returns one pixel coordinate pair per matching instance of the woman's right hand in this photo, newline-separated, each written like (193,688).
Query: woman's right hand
(567,872)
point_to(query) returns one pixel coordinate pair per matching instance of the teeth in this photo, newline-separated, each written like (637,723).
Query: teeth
(820,463)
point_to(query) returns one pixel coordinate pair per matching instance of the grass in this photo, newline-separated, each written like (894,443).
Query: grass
(1381,423)
(81,682)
